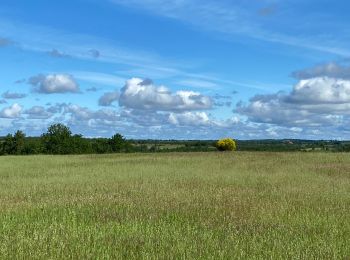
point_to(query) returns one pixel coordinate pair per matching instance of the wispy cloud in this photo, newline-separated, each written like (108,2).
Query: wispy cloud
(137,63)
(13,95)
(195,83)
(49,40)
(233,18)
(100,78)
(57,54)
(5,42)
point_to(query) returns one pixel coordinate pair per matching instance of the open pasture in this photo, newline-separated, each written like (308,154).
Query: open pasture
(179,205)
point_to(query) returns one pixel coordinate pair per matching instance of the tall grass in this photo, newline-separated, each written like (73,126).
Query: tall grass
(170,206)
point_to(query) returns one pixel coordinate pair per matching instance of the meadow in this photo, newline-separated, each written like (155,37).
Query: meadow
(241,205)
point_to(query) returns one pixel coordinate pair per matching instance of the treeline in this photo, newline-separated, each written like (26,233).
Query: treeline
(294,145)
(59,140)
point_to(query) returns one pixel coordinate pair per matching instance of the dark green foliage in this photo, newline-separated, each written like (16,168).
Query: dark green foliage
(79,145)
(100,145)
(59,140)
(33,145)
(117,143)
(19,142)
(7,146)
(13,145)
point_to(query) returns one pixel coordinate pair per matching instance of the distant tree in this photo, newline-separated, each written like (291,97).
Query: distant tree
(57,139)
(226,144)
(19,142)
(101,145)
(33,145)
(119,144)
(79,145)
(8,145)
(12,145)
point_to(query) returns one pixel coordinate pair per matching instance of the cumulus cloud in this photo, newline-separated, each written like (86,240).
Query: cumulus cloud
(13,111)
(9,95)
(143,94)
(108,98)
(54,83)
(331,69)
(38,112)
(144,118)
(189,118)
(56,108)
(313,102)
(79,113)
(321,91)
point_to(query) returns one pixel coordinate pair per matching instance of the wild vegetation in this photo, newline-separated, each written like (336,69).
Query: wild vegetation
(181,205)
(226,144)
(59,140)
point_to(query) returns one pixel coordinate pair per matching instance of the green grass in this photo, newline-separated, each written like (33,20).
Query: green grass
(178,205)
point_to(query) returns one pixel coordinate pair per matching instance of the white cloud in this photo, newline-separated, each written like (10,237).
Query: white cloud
(38,112)
(54,83)
(108,98)
(143,94)
(321,91)
(313,102)
(13,111)
(331,69)
(83,114)
(189,118)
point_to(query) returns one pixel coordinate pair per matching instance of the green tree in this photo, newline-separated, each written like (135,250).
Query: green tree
(13,144)
(57,140)
(8,145)
(119,144)
(33,145)
(19,142)
(101,145)
(79,145)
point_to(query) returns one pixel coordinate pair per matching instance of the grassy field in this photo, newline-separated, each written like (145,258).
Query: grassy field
(167,206)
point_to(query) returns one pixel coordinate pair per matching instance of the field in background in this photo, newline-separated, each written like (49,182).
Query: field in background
(178,205)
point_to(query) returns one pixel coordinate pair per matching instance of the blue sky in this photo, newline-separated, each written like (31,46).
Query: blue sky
(176,69)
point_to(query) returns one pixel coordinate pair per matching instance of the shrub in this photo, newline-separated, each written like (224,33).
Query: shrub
(226,144)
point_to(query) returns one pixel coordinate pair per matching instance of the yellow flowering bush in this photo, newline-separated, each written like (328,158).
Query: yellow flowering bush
(226,144)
